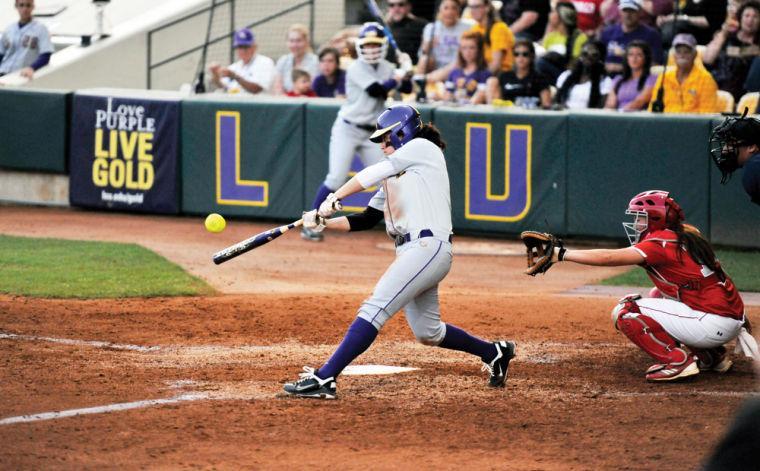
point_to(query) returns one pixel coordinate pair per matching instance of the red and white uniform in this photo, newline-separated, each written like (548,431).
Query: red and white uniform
(699,310)
(589,14)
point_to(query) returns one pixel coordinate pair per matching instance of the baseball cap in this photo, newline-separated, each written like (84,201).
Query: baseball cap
(685,39)
(243,38)
(630,5)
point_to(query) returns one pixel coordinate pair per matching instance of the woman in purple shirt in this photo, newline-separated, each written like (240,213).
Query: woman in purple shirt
(331,81)
(633,90)
(466,84)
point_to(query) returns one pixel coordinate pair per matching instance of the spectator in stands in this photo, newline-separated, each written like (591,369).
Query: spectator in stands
(589,16)
(526,18)
(301,84)
(616,37)
(585,85)
(466,84)
(252,73)
(632,91)
(406,28)
(650,10)
(440,39)
(523,86)
(25,45)
(700,18)
(733,49)
(299,57)
(689,88)
(563,41)
(331,81)
(498,38)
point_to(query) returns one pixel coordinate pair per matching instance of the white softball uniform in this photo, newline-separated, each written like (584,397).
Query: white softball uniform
(259,70)
(417,207)
(21,45)
(356,121)
(690,327)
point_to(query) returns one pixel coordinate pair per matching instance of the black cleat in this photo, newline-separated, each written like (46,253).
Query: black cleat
(498,367)
(311,385)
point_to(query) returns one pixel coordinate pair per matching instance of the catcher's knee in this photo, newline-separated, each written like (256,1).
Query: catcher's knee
(430,335)
(625,305)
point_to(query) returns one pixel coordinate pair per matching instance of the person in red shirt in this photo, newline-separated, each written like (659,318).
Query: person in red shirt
(589,15)
(694,308)
(301,84)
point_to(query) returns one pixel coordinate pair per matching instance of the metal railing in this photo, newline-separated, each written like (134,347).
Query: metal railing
(151,66)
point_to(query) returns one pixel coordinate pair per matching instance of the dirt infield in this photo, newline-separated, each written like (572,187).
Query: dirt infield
(199,379)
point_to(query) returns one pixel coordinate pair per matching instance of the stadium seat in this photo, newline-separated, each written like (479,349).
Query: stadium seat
(725,101)
(748,100)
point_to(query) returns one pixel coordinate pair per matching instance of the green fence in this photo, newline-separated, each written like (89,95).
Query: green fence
(568,173)
(34,130)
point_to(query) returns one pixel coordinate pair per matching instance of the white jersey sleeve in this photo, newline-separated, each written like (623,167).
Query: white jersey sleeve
(372,175)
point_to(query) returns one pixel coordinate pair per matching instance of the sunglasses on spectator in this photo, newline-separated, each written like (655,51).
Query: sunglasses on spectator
(591,54)
(522,53)
(24,5)
(396,4)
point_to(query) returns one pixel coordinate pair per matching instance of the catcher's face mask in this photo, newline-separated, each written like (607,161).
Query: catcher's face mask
(635,229)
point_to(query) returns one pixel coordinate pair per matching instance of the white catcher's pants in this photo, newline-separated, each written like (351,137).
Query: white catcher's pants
(690,327)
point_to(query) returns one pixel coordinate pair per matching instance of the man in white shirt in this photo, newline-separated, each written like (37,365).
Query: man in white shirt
(25,45)
(253,73)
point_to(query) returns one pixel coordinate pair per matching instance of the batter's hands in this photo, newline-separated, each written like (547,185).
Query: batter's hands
(329,206)
(543,251)
(313,221)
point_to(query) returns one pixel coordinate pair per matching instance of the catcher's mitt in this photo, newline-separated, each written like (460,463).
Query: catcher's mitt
(544,250)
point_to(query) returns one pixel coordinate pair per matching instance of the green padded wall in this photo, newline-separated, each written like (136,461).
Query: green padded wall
(242,158)
(34,130)
(612,157)
(524,156)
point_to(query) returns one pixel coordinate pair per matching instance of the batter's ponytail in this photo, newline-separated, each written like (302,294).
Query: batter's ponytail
(432,134)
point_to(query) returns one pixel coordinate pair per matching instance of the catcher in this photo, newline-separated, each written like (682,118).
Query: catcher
(694,309)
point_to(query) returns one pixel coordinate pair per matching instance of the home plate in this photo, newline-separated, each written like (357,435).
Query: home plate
(356,370)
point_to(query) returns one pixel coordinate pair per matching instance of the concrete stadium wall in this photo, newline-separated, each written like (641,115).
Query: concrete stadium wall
(569,173)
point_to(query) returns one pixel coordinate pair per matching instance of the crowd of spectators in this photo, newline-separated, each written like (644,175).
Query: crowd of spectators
(660,55)
(625,55)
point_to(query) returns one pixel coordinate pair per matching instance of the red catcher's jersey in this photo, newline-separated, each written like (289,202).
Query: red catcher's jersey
(687,281)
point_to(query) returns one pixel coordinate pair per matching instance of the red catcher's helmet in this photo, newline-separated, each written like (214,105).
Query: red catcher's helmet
(652,210)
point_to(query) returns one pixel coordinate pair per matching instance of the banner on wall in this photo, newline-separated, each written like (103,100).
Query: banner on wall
(125,153)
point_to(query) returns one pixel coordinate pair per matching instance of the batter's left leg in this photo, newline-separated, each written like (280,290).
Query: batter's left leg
(423,316)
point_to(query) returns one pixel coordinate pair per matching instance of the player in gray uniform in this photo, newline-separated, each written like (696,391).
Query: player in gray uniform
(25,45)
(416,204)
(368,82)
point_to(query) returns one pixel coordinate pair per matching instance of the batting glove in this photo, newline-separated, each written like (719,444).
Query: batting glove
(329,206)
(313,221)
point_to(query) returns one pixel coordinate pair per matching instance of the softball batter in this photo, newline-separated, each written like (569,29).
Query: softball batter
(694,308)
(368,82)
(414,200)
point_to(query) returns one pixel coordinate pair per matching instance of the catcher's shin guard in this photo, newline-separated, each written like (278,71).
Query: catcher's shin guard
(648,334)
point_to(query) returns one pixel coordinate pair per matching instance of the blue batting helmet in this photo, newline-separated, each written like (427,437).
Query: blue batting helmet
(371,33)
(401,121)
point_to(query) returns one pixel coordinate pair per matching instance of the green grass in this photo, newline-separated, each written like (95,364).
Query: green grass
(55,268)
(743,267)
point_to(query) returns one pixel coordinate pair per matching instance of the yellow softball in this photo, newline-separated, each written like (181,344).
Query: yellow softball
(215,223)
